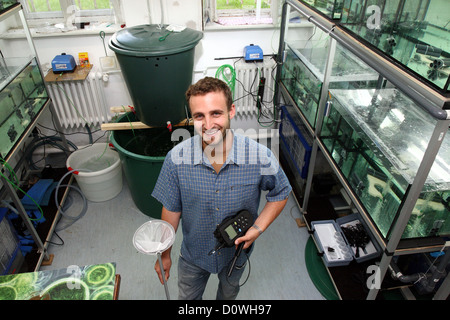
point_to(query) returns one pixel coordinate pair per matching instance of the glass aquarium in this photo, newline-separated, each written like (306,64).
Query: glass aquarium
(7,4)
(22,96)
(416,33)
(377,139)
(303,86)
(330,8)
(304,68)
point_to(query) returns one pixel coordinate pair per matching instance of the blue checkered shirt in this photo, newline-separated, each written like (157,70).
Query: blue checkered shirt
(189,184)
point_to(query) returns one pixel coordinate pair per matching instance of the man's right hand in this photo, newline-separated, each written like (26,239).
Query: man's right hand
(167,263)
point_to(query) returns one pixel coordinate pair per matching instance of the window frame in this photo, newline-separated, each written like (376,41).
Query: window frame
(211,14)
(58,15)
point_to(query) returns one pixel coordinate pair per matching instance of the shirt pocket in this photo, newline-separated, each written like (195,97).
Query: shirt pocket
(243,193)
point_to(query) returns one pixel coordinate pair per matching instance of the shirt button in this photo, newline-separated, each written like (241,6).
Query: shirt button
(217,191)
(217,209)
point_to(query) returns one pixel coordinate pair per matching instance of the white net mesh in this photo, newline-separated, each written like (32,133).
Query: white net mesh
(154,236)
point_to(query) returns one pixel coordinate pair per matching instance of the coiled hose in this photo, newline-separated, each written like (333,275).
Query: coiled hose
(72,219)
(228,75)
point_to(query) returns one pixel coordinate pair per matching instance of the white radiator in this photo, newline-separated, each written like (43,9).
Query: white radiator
(247,82)
(80,102)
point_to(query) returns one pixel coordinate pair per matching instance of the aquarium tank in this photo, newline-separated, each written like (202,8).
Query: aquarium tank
(377,138)
(330,8)
(303,73)
(22,96)
(415,33)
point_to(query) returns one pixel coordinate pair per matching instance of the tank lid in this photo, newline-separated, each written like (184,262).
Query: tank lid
(149,40)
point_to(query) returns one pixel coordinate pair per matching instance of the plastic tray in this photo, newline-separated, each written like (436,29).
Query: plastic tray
(372,248)
(334,246)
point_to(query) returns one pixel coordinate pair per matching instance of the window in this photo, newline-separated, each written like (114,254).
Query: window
(241,12)
(62,10)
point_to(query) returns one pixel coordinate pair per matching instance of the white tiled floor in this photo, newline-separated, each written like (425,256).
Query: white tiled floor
(105,234)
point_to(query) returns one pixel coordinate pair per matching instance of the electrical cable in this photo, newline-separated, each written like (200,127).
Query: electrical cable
(42,141)
(72,133)
(89,134)
(240,267)
(54,243)
(261,111)
(61,210)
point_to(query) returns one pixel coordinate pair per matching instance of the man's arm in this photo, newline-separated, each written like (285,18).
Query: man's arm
(173,218)
(269,213)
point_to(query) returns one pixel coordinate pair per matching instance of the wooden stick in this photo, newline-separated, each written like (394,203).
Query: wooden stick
(121,109)
(136,125)
(124,125)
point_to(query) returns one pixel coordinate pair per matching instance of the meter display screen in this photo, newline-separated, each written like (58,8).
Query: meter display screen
(230,231)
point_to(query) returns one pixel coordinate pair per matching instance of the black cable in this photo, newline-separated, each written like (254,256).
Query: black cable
(260,102)
(56,244)
(236,256)
(68,134)
(240,267)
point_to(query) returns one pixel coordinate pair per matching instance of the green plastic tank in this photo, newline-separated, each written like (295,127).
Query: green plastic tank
(142,153)
(157,66)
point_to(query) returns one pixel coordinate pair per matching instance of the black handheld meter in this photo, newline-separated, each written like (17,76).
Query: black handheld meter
(229,230)
(233,227)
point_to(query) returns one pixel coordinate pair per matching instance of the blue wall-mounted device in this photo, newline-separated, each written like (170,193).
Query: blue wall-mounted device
(253,53)
(63,63)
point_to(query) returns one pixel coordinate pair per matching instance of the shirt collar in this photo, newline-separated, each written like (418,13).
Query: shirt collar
(231,157)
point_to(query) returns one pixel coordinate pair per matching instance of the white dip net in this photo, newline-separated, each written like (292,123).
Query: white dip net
(153,237)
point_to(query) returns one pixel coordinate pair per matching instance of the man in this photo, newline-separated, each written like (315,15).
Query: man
(209,177)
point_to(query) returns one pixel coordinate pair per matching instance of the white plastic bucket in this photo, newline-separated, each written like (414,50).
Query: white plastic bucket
(98,171)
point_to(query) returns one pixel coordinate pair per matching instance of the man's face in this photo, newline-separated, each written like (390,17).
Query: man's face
(211,116)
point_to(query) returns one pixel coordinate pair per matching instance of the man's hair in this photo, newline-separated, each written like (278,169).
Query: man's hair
(207,85)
